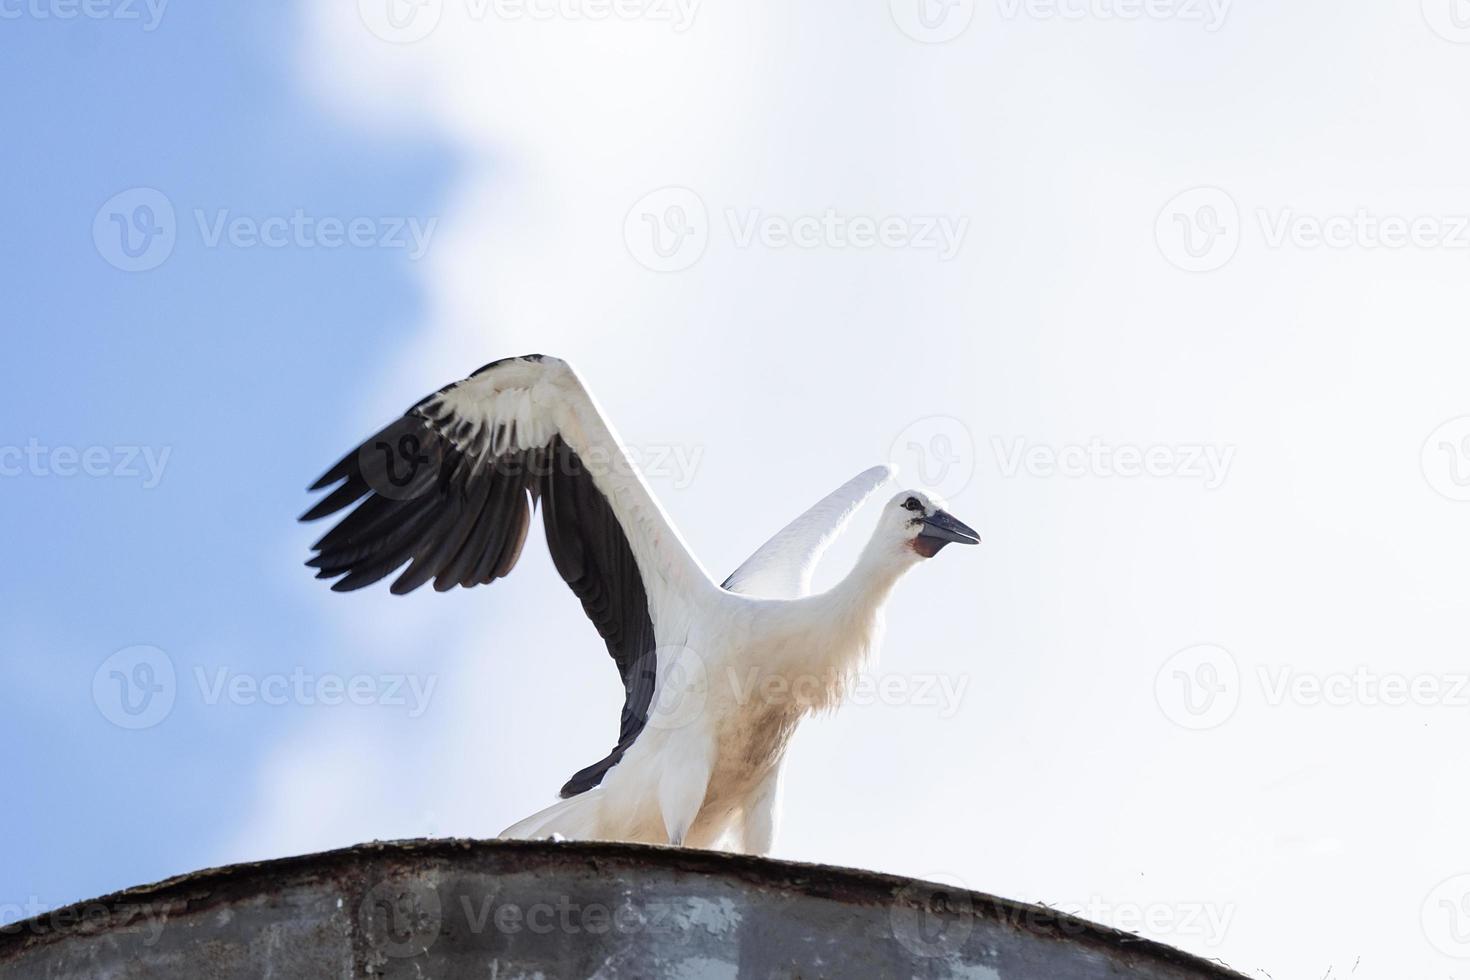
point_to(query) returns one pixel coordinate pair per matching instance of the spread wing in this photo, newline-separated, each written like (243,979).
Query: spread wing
(782,568)
(446,493)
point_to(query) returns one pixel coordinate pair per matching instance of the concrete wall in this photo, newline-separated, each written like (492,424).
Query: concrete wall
(446,910)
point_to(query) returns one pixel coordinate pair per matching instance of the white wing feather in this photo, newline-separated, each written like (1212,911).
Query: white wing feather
(782,568)
(547,397)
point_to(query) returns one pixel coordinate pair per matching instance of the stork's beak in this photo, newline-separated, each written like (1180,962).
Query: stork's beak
(940,529)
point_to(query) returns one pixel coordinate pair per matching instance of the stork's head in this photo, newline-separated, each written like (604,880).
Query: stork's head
(923,523)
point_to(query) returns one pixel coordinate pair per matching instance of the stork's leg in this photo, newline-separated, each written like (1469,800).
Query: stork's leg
(758,823)
(684,781)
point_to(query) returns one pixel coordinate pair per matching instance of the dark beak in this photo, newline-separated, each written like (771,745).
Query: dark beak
(940,529)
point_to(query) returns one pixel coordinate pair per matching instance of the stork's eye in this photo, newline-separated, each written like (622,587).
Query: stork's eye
(912,504)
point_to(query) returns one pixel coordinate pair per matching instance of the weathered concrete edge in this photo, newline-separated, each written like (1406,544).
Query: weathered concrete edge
(814,880)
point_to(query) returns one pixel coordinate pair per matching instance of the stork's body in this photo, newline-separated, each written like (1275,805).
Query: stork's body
(706,767)
(717,676)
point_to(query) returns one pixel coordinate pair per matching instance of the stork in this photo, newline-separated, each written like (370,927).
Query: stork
(716,675)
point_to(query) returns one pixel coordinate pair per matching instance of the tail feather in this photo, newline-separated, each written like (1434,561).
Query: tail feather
(576,819)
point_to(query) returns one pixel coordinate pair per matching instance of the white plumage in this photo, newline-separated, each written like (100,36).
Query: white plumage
(717,675)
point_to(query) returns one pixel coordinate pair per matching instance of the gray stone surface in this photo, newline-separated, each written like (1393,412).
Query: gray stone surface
(445,910)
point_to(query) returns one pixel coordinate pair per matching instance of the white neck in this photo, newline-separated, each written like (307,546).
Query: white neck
(864,590)
(842,627)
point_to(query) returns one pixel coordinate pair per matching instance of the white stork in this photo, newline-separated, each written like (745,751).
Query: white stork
(717,675)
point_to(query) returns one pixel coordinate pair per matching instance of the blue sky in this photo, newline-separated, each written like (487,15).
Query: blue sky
(231,360)
(1170,233)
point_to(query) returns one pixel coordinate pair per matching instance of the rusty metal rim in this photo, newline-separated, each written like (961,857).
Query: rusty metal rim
(201,889)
